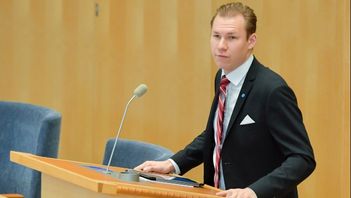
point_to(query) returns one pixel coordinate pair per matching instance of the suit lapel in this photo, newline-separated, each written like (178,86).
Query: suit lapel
(244,93)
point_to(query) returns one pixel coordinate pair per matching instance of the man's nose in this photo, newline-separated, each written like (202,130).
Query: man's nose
(222,45)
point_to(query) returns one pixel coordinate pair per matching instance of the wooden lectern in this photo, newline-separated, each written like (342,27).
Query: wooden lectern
(65,178)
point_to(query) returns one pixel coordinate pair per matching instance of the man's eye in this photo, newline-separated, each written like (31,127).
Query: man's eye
(216,36)
(231,37)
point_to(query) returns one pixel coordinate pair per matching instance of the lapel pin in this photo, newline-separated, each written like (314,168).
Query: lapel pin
(243,95)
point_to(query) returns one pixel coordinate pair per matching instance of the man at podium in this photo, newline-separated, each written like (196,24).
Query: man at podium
(255,143)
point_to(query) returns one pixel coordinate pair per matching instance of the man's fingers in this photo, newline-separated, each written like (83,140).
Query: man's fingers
(148,166)
(237,193)
(142,166)
(155,166)
(139,168)
(228,193)
(148,169)
(222,193)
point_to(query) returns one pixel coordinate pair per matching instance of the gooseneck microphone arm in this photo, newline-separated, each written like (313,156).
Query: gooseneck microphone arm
(138,92)
(117,136)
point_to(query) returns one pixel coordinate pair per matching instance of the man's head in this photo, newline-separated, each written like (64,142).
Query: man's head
(233,35)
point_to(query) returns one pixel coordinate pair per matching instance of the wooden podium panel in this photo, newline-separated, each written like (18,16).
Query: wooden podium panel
(65,178)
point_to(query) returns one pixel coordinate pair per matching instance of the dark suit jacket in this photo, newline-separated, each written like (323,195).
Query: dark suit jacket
(271,156)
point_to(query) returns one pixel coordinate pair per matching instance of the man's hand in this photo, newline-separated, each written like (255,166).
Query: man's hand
(156,166)
(238,193)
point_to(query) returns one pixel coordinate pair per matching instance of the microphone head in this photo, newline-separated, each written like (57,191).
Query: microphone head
(140,90)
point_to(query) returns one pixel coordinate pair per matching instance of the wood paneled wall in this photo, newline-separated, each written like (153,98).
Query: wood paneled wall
(64,55)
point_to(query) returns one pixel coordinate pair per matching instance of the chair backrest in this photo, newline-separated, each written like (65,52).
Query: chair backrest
(26,128)
(131,153)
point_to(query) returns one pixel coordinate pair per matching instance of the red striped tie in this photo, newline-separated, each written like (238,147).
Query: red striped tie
(219,124)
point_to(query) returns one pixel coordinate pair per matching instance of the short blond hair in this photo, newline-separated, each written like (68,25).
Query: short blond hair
(234,8)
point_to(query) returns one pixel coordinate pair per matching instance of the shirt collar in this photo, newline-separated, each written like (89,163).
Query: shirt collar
(239,73)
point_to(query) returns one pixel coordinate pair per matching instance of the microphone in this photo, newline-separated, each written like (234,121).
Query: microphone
(138,92)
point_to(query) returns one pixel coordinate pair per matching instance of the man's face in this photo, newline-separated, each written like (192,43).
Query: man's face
(230,46)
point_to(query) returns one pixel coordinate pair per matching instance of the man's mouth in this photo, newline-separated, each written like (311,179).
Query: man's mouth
(221,56)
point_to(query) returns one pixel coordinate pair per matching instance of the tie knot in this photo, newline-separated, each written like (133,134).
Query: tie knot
(224,81)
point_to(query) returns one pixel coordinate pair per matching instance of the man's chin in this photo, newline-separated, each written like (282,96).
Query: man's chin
(226,68)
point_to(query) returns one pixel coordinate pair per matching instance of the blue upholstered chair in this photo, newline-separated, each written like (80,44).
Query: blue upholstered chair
(26,128)
(130,153)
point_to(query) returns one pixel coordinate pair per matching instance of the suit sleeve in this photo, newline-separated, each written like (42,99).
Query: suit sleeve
(285,124)
(192,155)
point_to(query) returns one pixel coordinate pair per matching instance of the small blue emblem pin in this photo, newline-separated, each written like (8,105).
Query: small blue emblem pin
(243,95)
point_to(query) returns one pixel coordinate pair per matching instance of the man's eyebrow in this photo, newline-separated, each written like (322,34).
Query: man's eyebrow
(227,33)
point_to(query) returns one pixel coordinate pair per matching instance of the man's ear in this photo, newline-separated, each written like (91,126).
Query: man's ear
(252,41)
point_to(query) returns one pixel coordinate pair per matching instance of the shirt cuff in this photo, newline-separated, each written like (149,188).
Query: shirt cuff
(176,167)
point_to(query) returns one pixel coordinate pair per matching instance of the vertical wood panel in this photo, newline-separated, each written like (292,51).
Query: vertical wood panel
(304,42)
(57,53)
